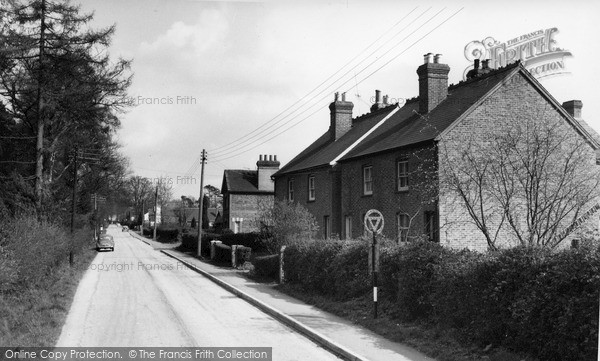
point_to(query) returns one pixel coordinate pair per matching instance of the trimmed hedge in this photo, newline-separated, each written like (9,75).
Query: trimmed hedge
(190,241)
(222,253)
(528,300)
(267,266)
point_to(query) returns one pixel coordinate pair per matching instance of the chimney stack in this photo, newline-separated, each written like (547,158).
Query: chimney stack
(266,168)
(433,83)
(377,104)
(341,117)
(573,107)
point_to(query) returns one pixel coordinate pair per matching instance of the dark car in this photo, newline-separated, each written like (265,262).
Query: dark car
(105,241)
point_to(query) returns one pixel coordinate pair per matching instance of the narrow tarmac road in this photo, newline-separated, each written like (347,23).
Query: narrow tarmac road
(137,296)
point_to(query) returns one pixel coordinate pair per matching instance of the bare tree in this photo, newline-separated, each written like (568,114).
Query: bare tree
(532,177)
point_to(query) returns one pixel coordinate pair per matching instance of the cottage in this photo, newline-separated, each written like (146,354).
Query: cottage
(245,192)
(410,162)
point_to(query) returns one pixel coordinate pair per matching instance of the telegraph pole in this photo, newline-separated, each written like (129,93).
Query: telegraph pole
(73,206)
(155,209)
(200,204)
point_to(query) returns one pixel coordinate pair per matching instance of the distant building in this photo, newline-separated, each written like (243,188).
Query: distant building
(245,191)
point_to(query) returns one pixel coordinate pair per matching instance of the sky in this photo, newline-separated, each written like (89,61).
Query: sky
(241,79)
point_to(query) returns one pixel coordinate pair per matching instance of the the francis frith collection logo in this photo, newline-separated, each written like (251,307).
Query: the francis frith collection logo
(537,50)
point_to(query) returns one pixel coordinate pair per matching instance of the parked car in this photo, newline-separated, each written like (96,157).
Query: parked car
(124,229)
(105,241)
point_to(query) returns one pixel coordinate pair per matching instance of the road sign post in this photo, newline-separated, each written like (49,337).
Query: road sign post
(374,223)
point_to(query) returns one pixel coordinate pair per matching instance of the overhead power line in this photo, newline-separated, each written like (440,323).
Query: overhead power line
(245,137)
(243,149)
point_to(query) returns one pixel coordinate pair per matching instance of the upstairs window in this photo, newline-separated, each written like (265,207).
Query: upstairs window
(368,180)
(311,188)
(402,175)
(291,190)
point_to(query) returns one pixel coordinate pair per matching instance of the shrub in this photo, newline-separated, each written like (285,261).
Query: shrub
(222,253)
(242,254)
(30,250)
(524,299)
(267,266)
(282,222)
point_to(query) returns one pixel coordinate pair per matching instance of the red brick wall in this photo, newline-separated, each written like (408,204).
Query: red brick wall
(385,198)
(322,205)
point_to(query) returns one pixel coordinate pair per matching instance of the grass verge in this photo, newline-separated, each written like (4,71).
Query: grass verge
(441,344)
(33,315)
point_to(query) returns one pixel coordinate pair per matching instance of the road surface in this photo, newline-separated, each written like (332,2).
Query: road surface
(137,296)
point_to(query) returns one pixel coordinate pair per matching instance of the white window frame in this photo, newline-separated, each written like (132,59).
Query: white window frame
(367,181)
(402,228)
(291,190)
(348,227)
(402,175)
(311,188)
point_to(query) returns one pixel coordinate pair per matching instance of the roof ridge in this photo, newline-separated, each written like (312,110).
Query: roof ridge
(485,76)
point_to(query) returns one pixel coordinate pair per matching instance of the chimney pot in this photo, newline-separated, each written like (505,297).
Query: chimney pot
(437,59)
(486,64)
(476,64)
(335,97)
(427,58)
(344,96)
(385,99)
(260,157)
(270,158)
(275,157)
(377,96)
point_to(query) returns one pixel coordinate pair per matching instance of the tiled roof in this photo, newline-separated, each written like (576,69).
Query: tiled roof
(324,150)
(241,181)
(403,128)
(406,126)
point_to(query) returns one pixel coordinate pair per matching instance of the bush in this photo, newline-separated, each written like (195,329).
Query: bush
(524,299)
(242,254)
(30,250)
(267,266)
(222,253)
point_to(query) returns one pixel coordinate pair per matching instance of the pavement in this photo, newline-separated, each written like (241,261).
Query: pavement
(338,335)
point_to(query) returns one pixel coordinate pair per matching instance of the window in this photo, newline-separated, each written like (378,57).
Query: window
(311,188)
(431,226)
(402,175)
(368,180)
(348,227)
(326,227)
(403,221)
(291,190)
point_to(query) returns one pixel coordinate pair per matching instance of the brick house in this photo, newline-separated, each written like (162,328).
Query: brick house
(245,191)
(390,159)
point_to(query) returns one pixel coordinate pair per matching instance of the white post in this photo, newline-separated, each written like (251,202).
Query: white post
(281,273)
(233,255)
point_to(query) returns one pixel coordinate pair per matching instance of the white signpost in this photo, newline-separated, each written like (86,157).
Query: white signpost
(374,223)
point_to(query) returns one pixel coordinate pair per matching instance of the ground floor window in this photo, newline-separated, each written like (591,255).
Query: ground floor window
(326,227)
(403,222)
(348,227)
(431,226)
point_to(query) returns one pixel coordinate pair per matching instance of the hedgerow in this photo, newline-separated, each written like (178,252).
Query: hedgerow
(524,299)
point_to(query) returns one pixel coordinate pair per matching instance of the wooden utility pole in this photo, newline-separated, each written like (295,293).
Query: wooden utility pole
(73,203)
(200,204)
(39,166)
(155,209)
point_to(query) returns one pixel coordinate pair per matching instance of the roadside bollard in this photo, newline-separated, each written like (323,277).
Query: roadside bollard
(233,255)
(281,273)
(213,252)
